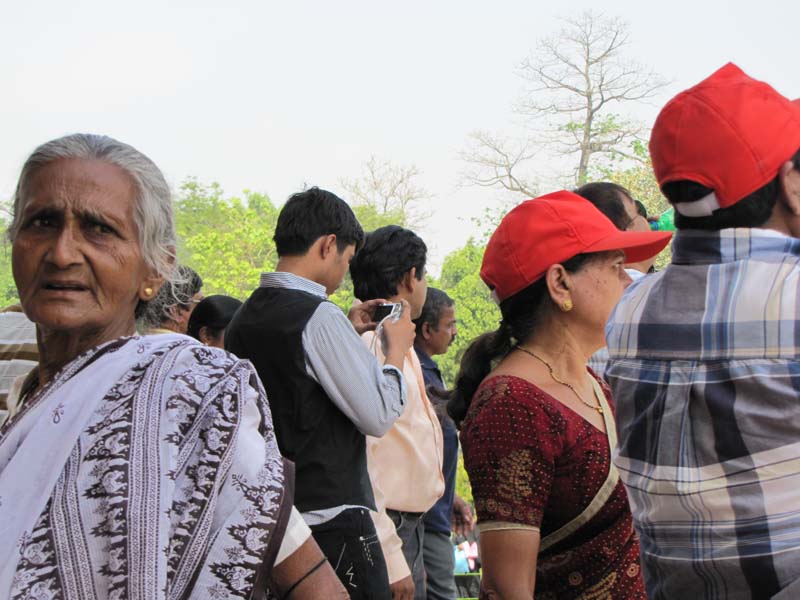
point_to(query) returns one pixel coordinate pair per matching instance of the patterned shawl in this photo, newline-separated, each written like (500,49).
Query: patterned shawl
(147,468)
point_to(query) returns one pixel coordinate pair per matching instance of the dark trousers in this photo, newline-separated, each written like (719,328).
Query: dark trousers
(411,531)
(439,566)
(350,543)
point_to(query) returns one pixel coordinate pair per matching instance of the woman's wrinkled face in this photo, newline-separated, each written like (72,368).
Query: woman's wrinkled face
(76,257)
(596,289)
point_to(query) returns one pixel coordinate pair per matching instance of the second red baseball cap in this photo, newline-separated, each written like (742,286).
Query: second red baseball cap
(730,133)
(551,229)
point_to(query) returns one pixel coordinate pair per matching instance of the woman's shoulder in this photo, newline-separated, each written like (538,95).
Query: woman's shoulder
(187,363)
(508,397)
(186,348)
(511,388)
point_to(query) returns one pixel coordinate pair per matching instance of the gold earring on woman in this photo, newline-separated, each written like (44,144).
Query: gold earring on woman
(148,291)
(567,306)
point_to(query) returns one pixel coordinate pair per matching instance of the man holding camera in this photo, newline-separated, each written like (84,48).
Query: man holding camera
(326,391)
(405,465)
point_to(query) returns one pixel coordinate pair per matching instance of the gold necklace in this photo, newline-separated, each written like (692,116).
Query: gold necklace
(598,408)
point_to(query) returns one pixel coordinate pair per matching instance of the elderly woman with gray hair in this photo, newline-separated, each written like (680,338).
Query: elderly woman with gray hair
(171,307)
(138,467)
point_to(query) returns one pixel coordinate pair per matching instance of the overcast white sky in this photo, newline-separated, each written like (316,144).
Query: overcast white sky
(271,96)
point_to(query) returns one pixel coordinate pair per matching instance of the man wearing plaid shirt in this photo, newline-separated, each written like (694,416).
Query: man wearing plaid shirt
(705,355)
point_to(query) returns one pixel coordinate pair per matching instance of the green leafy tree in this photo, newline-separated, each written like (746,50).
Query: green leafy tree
(475,310)
(228,241)
(476,313)
(8,289)
(463,488)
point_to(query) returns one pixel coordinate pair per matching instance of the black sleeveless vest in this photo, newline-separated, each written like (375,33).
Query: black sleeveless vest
(328,450)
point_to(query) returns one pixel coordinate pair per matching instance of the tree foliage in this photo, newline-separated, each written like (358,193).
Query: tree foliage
(228,241)
(8,289)
(476,312)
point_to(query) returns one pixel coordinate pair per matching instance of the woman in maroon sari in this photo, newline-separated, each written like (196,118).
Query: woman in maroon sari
(537,429)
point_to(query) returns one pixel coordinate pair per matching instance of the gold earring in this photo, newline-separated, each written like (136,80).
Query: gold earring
(148,291)
(567,306)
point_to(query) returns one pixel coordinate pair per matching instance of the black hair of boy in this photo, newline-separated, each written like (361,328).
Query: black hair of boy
(388,254)
(311,214)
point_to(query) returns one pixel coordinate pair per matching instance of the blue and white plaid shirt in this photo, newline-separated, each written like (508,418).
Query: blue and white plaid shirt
(705,370)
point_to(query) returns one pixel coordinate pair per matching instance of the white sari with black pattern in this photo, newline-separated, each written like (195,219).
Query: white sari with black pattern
(147,468)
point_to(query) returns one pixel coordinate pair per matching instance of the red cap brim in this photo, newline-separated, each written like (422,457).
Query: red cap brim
(637,245)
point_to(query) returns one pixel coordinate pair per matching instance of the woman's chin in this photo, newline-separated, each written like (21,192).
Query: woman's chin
(78,324)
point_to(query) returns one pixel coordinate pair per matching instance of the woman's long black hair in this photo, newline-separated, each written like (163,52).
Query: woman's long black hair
(521,314)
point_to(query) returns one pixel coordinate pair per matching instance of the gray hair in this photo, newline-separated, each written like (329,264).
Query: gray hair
(153,211)
(172,293)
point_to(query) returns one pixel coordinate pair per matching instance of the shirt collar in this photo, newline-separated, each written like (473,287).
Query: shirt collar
(634,274)
(691,246)
(280,279)
(425,361)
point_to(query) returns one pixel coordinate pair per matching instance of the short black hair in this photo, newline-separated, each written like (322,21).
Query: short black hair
(641,208)
(388,254)
(435,303)
(605,195)
(311,214)
(213,312)
(751,211)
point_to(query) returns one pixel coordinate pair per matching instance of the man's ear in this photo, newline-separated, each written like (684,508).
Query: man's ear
(410,280)
(328,245)
(790,187)
(426,331)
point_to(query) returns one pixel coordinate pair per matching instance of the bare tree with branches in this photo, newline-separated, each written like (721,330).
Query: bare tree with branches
(494,161)
(575,80)
(390,189)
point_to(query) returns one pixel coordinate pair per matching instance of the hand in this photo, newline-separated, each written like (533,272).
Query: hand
(462,520)
(399,337)
(361,314)
(403,589)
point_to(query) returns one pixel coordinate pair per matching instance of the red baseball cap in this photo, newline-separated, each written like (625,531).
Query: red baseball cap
(551,229)
(730,133)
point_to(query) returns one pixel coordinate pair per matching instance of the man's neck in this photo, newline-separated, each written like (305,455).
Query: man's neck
(299,266)
(422,346)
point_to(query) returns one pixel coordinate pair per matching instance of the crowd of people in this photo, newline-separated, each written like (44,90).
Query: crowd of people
(627,433)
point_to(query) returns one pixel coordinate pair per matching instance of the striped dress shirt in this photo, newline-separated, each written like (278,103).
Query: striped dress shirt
(705,374)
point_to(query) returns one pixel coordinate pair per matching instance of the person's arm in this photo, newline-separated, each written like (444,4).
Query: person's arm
(462,521)
(370,395)
(508,563)
(511,467)
(306,575)
(400,579)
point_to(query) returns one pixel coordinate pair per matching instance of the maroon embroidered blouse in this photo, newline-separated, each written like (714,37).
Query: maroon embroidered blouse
(532,460)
